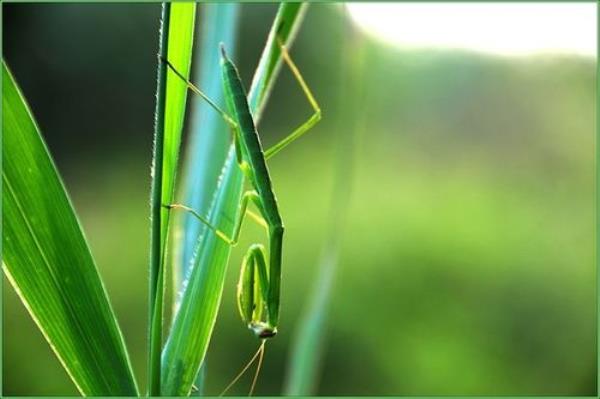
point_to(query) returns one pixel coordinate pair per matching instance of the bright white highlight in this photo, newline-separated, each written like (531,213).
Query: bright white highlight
(500,28)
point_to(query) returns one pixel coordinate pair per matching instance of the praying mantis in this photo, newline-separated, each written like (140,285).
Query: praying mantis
(258,290)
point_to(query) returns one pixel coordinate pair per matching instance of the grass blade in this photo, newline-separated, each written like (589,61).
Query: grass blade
(286,25)
(48,262)
(193,324)
(209,137)
(176,39)
(207,147)
(306,354)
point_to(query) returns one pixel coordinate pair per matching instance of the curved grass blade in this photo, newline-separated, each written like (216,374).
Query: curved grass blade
(176,39)
(48,262)
(193,324)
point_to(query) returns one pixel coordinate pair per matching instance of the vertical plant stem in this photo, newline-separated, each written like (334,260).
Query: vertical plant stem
(307,346)
(156,265)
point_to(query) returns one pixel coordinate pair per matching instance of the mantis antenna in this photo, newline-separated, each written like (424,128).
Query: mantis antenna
(259,354)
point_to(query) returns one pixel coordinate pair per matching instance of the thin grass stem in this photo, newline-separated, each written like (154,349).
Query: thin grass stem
(156,273)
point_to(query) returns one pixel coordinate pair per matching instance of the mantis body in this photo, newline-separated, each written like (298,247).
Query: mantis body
(258,293)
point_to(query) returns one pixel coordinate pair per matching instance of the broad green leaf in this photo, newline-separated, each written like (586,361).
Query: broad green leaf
(48,262)
(202,289)
(175,45)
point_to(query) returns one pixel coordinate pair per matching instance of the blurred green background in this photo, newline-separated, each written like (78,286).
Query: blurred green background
(468,260)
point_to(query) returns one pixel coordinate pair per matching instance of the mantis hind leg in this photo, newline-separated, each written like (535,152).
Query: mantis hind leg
(310,122)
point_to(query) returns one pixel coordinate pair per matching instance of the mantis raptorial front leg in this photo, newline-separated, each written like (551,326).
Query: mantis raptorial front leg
(253,285)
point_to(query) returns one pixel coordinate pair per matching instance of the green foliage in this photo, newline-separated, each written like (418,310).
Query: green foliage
(194,321)
(176,46)
(48,262)
(207,145)
(209,137)
(469,244)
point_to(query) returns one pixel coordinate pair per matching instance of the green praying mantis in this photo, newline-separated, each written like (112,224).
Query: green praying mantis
(258,290)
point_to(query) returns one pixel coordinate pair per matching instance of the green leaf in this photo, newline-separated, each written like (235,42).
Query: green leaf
(202,290)
(209,136)
(176,39)
(207,145)
(48,262)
